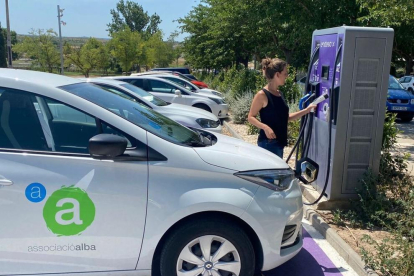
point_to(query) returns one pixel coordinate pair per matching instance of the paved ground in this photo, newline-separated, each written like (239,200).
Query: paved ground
(317,258)
(406,142)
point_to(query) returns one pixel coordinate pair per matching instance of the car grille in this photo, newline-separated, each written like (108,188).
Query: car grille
(288,233)
(397,101)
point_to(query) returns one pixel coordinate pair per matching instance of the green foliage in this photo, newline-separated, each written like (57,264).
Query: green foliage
(293,126)
(92,55)
(133,15)
(387,201)
(240,108)
(126,47)
(3,50)
(41,46)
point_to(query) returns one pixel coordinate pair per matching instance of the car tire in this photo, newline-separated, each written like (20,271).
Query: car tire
(406,118)
(203,106)
(218,237)
(411,90)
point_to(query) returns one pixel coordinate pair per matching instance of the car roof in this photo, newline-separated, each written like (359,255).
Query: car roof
(39,78)
(104,80)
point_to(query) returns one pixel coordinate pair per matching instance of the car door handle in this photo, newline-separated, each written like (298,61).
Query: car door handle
(5,182)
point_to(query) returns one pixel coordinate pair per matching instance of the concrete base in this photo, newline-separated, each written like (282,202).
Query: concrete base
(311,195)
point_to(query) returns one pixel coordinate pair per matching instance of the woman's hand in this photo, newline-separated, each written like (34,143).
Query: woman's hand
(269,133)
(310,107)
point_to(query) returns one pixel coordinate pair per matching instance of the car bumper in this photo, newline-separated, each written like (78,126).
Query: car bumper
(223,111)
(400,108)
(215,130)
(277,219)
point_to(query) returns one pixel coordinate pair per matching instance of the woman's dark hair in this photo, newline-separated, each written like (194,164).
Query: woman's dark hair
(273,65)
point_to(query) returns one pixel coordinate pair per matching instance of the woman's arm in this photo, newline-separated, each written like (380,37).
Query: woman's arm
(258,103)
(299,114)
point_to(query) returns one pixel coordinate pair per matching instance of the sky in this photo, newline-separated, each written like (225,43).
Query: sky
(87,18)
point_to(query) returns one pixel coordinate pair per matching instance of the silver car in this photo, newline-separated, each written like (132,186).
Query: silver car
(98,184)
(186,115)
(174,93)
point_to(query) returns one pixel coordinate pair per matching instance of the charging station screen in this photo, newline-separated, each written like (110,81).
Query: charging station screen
(325,72)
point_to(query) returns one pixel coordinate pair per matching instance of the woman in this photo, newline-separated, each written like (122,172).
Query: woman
(273,110)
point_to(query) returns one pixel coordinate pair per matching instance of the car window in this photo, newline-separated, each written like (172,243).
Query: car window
(144,94)
(20,126)
(181,83)
(406,80)
(32,122)
(137,114)
(394,84)
(161,87)
(137,82)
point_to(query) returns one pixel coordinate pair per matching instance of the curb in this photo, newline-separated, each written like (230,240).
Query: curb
(344,250)
(232,132)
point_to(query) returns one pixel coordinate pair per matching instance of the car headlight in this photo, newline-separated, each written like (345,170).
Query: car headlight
(277,180)
(206,123)
(412,101)
(216,93)
(217,101)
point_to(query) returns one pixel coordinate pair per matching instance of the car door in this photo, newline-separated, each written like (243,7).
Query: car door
(166,91)
(61,210)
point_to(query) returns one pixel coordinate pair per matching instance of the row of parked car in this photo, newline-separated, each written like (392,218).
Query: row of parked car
(94,179)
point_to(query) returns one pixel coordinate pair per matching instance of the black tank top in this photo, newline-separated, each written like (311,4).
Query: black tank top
(275,115)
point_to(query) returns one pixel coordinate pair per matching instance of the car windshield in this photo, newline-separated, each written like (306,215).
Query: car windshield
(136,113)
(144,94)
(394,84)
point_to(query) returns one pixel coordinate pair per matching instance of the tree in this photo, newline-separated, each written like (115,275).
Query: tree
(3,51)
(133,15)
(41,46)
(126,47)
(92,55)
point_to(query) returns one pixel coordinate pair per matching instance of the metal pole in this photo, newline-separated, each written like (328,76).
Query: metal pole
(60,42)
(9,50)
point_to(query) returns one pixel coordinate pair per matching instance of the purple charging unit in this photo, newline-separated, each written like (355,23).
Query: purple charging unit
(360,81)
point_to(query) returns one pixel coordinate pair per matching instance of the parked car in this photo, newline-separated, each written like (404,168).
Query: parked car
(193,80)
(184,83)
(95,183)
(399,100)
(174,93)
(186,115)
(182,70)
(408,83)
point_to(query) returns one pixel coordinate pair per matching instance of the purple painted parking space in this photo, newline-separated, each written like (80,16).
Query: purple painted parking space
(311,261)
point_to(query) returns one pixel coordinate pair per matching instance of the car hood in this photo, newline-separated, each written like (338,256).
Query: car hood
(237,155)
(399,94)
(185,110)
(210,91)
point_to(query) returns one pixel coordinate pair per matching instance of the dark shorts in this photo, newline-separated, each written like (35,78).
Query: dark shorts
(271,145)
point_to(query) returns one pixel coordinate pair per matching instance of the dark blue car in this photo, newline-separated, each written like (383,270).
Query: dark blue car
(399,100)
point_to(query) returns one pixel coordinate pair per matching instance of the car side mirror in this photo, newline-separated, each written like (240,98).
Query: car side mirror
(177,93)
(307,170)
(107,146)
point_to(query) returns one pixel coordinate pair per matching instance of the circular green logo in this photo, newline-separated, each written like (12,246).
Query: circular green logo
(68,211)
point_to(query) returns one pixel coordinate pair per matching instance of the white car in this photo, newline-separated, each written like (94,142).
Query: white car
(183,114)
(174,93)
(97,184)
(408,83)
(178,79)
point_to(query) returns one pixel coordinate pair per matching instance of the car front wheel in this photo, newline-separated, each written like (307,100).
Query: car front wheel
(210,247)
(406,117)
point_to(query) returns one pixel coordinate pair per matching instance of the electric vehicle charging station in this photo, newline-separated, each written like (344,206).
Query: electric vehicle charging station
(351,65)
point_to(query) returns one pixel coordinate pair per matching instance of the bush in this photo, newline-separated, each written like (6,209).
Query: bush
(240,108)
(387,201)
